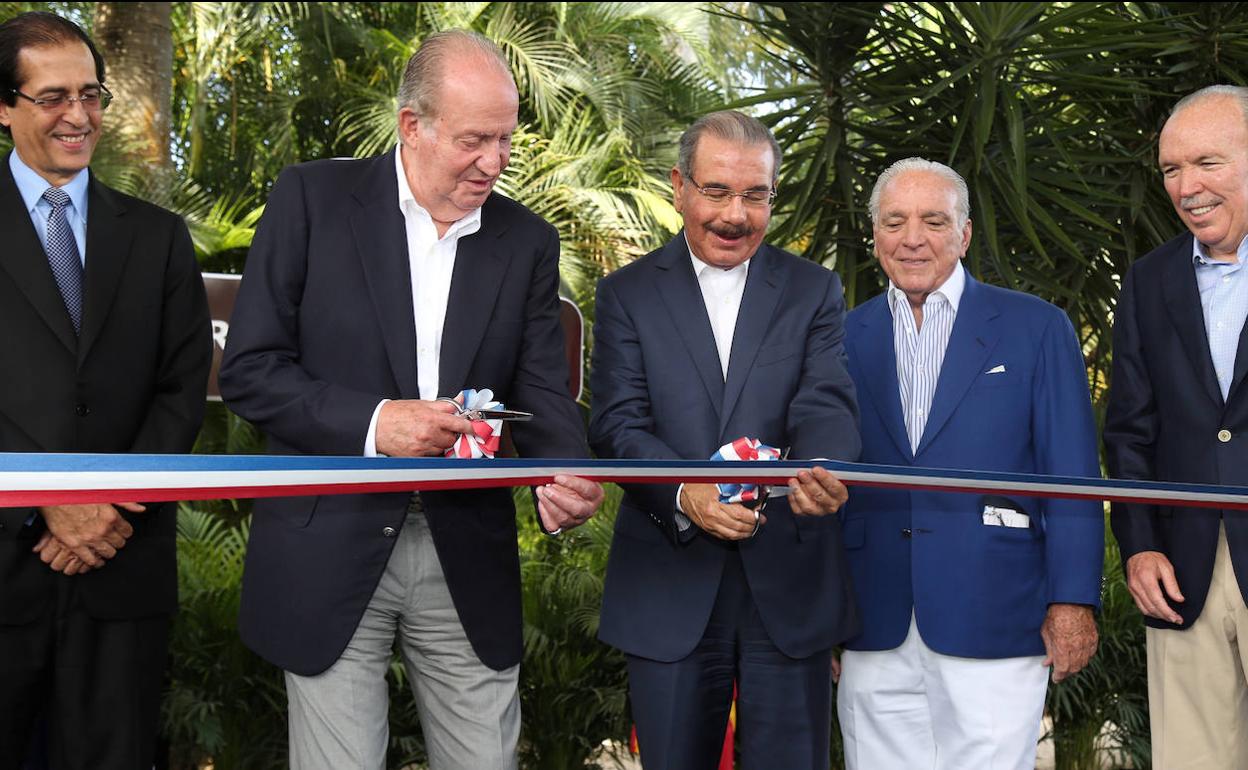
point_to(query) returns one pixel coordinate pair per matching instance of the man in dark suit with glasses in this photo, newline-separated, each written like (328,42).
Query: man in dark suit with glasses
(106,348)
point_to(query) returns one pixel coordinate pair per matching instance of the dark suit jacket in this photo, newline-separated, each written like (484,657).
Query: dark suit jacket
(322,330)
(1164,418)
(659,393)
(134,381)
(976,590)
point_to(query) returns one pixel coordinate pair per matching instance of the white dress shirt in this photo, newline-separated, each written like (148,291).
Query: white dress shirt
(432,261)
(920,351)
(722,291)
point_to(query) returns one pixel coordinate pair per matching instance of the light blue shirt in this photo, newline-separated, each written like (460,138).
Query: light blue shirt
(31,186)
(1224,300)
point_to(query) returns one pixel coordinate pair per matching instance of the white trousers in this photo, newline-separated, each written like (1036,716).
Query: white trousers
(914,709)
(469,713)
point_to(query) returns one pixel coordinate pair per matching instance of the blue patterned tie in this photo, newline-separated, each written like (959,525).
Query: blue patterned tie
(63,256)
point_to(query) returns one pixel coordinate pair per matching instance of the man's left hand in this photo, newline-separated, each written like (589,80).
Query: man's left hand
(567,503)
(1069,634)
(58,556)
(816,492)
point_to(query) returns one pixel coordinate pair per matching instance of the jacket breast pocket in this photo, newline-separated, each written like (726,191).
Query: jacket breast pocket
(774,355)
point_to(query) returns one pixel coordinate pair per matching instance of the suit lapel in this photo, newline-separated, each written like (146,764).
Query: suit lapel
(26,262)
(1241,363)
(677,286)
(108,248)
(381,239)
(480,265)
(763,286)
(878,360)
(970,343)
(1182,299)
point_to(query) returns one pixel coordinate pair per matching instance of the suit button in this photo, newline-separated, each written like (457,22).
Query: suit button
(1224,435)
(82,410)
(389,532)
(907,532)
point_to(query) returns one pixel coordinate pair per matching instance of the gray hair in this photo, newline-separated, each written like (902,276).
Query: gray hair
(962,204)
(730,125)
(1238,93)
(423,73)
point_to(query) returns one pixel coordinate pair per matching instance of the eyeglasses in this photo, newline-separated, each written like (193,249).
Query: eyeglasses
(723,195)
(91,99)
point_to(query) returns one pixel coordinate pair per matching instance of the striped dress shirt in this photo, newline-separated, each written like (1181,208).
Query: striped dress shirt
(920,351)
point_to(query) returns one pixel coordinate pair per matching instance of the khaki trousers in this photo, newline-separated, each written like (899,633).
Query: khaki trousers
(1197,691)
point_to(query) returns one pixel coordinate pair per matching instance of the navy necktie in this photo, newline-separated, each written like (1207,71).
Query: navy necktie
(63,256)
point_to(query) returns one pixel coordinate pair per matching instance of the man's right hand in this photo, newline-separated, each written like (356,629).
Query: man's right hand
(1148,572)
(412,428)
(700,502)
(92,532)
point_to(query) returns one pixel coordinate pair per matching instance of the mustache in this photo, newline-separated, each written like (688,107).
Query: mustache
(1196,201)
(730,231)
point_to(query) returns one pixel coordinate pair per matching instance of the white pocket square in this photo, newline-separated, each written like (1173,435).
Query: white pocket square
(998,369)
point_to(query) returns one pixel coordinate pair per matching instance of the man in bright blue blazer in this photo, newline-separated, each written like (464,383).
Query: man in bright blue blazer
(965,598)
(714,337)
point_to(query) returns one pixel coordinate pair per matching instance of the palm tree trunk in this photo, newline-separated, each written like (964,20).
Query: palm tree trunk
(137,43)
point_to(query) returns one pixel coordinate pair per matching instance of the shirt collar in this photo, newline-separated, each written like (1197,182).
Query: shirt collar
(700,267)
(465,225)
(31,186)
(1200,253)
(951,290)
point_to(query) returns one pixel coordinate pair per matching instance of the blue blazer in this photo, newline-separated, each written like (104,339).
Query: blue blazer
(659,393)
(976,590)
(1165,421)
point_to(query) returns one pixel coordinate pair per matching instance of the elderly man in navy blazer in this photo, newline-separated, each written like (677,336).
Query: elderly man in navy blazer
(711,338)
(1178,411)
(965,598)
(373,287)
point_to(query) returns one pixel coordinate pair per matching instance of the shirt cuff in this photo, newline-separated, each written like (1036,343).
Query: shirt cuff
(682,521)
(370,440)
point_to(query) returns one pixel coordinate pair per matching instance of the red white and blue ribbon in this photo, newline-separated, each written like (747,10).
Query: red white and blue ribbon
(48,479)
(483,441)
(747,450)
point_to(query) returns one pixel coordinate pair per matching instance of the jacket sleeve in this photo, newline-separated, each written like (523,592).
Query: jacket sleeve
(1131,426)
(261,377)
(1064,432)
(177,407)
(622,422)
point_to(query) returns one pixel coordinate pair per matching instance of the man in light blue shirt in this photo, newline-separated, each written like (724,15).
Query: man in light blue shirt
(106,348)
(1178,411)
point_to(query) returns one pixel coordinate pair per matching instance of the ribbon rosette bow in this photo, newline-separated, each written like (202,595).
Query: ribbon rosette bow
(744,449)
(483,441)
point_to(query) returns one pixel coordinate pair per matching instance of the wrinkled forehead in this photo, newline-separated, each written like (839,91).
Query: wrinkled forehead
(921,193)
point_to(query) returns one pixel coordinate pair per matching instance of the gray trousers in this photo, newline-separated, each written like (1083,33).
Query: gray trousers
(469,713)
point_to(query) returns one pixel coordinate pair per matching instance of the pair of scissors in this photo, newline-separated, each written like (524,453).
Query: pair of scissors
(479,415)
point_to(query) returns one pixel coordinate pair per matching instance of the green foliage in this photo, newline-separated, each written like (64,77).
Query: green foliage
(572,687)
(1111,691)
(223,703)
